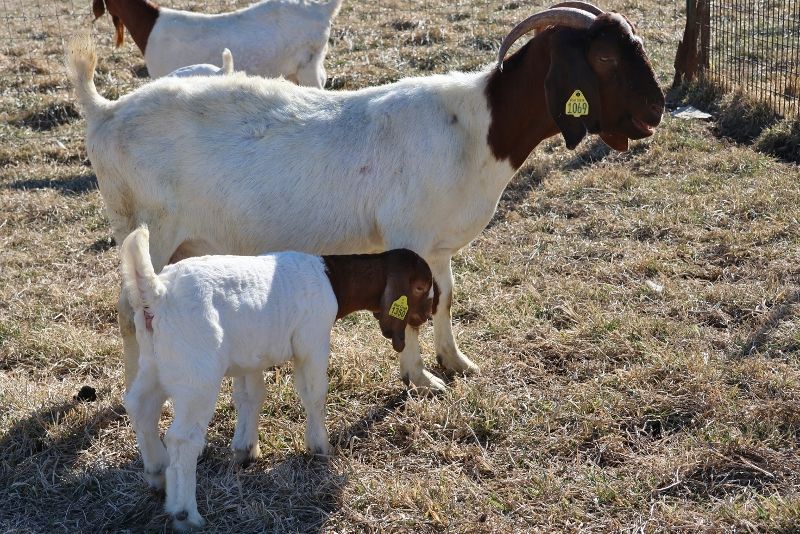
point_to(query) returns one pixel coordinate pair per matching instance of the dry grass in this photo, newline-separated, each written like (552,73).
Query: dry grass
(635,316)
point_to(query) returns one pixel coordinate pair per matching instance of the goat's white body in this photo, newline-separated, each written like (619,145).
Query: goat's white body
(281,167)
(270,39)
(206,69)
(216,316)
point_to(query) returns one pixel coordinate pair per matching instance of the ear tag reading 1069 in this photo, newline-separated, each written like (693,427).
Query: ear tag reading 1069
(577,105)
(399,308)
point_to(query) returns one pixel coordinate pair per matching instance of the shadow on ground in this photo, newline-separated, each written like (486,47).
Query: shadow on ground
(55,475)
(74,185)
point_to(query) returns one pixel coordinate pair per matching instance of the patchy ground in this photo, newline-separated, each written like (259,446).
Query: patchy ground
(635,317)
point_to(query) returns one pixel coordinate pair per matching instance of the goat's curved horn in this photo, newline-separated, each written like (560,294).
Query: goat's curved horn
(560,16)
(589,8)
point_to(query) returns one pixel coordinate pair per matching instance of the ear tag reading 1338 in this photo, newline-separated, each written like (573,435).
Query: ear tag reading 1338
(577,105)
(399,308)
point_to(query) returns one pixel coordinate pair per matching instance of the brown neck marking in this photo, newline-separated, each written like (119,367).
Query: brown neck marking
(518,103)
(139,16)
(358,281)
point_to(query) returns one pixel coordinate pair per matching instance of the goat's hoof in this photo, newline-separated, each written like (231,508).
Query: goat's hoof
(183,521)
(244,457)
(321,449)
(155,479)
(456,361)
(426,382)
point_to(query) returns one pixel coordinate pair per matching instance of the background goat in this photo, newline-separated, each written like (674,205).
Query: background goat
(203,318)
(418,164)
(206,69)
(270,38)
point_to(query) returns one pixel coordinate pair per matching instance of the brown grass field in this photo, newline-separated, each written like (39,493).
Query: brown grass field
(635,316)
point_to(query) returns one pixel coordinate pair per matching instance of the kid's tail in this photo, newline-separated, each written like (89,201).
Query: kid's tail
(139,279)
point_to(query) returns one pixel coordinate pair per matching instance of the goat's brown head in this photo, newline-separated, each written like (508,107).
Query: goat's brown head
(410,296)
(600,79)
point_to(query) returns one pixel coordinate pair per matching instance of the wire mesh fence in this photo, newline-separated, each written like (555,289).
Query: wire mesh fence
(371,43)
(754,46)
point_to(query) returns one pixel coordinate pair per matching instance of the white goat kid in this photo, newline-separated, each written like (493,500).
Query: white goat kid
(420,163)
(203,318)
(270,38)
(206,69)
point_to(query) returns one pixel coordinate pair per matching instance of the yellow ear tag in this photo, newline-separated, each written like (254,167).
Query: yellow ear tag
(577,105)
(399,308)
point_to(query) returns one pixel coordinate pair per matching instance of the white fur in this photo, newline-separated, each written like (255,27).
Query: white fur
(270,39)
(244,165)
(215,316)
(206,69)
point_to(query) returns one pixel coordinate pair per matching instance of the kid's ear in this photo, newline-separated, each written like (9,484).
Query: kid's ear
(394,305)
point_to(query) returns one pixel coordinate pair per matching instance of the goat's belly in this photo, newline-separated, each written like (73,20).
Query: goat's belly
(236,369)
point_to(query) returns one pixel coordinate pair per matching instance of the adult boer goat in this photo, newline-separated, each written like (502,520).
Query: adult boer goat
(270,38)
(245,165)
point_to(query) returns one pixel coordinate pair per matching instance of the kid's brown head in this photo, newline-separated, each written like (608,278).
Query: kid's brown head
(410,296)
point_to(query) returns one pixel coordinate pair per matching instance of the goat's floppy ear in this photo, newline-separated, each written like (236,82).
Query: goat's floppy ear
(98,8)
(120,36)
(394,305)
(573,98)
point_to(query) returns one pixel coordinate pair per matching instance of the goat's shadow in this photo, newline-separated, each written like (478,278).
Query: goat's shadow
(45,483)
(74,185)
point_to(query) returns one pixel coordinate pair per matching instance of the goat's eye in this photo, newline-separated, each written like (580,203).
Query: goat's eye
(420,290)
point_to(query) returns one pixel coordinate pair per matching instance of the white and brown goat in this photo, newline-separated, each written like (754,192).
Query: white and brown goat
(206,317)
(270,38)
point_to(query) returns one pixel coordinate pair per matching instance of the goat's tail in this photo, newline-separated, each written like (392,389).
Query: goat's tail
(138,277)
(227,62)
(81,61)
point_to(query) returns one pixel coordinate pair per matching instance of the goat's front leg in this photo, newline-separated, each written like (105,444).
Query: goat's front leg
(248,397)
(447,353)
(411,369)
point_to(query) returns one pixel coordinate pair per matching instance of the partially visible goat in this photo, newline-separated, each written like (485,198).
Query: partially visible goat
(206,69)
(244,165)
(271,38)
(207,317)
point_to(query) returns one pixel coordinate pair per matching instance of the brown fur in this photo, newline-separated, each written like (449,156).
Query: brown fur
(528,96)
(373,281)
(139,16)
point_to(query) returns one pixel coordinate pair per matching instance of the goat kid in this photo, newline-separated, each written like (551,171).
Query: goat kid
(270,38)
(206,69)
(206,317)
(419,164)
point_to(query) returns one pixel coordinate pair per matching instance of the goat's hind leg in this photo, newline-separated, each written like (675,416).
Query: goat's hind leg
(248,397)
(144,401)
(311,382)
(194,405)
